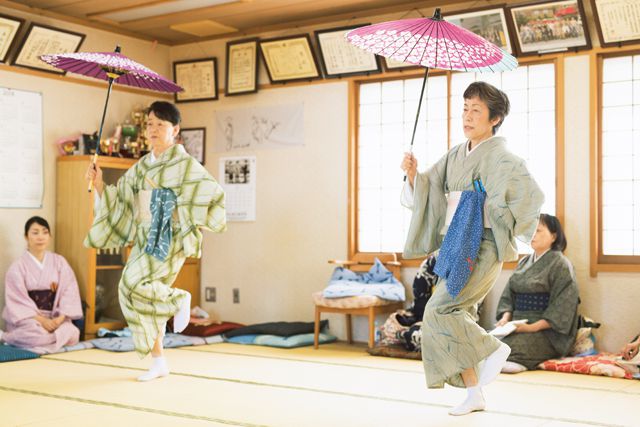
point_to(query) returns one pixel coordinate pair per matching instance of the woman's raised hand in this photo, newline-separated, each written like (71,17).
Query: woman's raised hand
(410,166)
(94,174)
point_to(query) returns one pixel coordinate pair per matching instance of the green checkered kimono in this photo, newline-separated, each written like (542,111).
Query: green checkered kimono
(146,297)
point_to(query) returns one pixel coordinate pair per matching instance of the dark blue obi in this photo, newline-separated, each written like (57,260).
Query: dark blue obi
(532,302)
(44,299)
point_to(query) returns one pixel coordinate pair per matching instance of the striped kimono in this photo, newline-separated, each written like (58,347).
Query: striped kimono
(147,299)
(452,341)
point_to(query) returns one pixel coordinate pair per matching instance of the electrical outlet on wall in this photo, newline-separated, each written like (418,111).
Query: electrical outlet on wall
(210,294)
(236,295)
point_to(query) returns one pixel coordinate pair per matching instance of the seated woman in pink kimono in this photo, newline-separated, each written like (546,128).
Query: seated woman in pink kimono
(41,296)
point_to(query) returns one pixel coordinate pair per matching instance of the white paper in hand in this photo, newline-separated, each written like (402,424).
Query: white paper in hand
(507,328)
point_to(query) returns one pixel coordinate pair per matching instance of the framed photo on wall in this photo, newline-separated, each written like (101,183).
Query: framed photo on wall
(242,67)
(341,58)
(289,59)
(549,26)
(198,78)
(617,21)
(194,140)
(9,27)
(489,23)
(45,40)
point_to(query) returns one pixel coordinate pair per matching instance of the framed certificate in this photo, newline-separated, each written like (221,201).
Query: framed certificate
(198,78)
(549,26)
(242,67)
(9,27)
(393,65)
(45,40)
(489,23)
(194,140)
(289,59)
(341,58)
(617,21)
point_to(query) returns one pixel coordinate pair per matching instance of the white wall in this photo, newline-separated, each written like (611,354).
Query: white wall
(68,109)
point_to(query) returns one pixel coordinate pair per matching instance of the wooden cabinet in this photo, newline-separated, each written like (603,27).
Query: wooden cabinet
(97,272)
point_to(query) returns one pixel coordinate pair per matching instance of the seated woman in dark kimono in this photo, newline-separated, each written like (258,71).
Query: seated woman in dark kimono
(544,291)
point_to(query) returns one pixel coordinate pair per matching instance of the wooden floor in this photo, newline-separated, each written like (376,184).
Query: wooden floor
(337,385)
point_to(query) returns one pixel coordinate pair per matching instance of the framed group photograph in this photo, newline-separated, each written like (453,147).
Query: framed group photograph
(489,23)
(341,58)
(289,59)
(198,78)
(193,140)
(45,40)
(549,26)
(242,67)
(9,27)
(617,21)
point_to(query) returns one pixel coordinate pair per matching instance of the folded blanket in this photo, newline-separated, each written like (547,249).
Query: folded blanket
(377,282)
(282,329)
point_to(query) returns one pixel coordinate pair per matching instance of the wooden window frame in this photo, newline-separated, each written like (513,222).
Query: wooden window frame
(598,261)
(354,84)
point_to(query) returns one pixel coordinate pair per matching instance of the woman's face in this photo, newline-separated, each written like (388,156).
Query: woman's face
(543,239)
(160,133)
(475,120)
(37,238)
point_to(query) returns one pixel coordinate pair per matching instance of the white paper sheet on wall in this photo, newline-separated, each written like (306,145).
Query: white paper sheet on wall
(277,126)
(21,151)
(238,179)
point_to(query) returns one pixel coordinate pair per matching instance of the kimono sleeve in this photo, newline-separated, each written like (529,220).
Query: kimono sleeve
(113,224)
(524,200)
(69,303)
(563,298)
(18,305)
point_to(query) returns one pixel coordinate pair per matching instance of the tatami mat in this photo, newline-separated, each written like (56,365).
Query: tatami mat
(338,385)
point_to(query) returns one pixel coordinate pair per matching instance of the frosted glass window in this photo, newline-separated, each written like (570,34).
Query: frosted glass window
(387,113)
(620,156)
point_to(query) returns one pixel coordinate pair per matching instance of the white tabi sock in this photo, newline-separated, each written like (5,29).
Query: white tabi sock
(493,364)
(159,368)
(513,368)
(473,402)
(181,318)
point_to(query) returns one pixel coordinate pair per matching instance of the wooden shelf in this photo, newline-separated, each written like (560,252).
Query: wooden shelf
(109,267)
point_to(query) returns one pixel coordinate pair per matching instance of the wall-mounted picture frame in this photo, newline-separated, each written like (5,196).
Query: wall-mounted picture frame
(617,21)
(242,67)
(9,28)
(339,58)
(194,140)
(198,78)
(489,23)
(289,59)
(393,65)
(549,26)
(45,40)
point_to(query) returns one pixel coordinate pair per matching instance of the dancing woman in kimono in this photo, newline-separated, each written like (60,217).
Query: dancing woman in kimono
(159,205)
(544,291)
(41,296)
(505,205)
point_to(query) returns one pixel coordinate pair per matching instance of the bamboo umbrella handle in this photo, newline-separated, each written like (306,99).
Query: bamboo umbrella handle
(94,160)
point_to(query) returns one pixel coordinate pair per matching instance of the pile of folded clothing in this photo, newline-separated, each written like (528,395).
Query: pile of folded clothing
(279,334)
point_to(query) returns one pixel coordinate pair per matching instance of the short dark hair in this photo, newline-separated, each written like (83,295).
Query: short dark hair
(553,225)
(37,220)
(496,100)
(165,111)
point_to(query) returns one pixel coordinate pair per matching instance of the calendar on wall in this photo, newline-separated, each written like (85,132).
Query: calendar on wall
(238,179)
(21,150)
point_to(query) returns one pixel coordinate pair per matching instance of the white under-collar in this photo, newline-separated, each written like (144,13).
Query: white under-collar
(469,151)
(536,258)
(38,262)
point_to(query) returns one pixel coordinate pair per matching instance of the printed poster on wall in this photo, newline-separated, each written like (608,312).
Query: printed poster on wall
(238,179)
(277,126)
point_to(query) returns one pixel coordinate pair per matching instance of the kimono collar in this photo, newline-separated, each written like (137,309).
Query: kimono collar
(536,258)
(487,143)
(167,154)
(37,261)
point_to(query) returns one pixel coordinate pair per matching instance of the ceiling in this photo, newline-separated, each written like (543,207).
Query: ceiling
(174,22)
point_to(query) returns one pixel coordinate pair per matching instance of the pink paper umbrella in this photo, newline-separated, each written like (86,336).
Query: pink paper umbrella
(431,43)
(112,67)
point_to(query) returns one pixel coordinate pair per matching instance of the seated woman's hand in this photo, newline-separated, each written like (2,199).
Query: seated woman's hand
(630,350)
(49,325)
(506,317)
(524,328)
